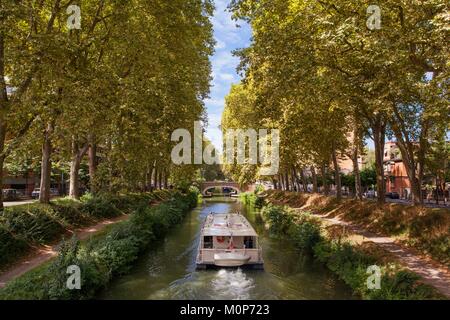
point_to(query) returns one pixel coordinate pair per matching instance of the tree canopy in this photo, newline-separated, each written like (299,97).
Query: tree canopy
(327,81)
(114,89)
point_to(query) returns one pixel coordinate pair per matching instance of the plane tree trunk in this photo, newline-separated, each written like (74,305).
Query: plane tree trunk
(92,155)
(337,176)
(326,187)
(358,187)
(314,179)
(413,152)
(77,155)
(379,134)
(46,165)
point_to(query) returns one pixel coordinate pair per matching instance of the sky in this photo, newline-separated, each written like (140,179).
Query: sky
(228,37)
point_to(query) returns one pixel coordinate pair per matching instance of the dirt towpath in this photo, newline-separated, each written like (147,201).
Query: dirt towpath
(432,272)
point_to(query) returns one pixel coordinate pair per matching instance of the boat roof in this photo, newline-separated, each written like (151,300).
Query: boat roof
(227,224)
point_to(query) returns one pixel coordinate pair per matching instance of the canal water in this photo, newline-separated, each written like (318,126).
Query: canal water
(167,270)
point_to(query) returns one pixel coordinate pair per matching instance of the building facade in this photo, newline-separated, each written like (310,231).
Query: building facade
(395,171)
(346,164)
(24,184)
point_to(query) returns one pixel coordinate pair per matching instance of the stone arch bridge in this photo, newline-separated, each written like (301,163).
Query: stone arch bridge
(204,186)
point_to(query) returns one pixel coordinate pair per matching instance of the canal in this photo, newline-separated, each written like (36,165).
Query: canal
(167,270)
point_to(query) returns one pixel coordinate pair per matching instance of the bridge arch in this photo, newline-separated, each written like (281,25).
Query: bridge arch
(205,186)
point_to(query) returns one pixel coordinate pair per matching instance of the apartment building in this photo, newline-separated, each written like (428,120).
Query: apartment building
(395,171)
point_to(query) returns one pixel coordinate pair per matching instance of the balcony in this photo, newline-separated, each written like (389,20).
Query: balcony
(389,168)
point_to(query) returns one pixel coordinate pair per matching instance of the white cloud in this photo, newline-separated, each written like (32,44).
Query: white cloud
(215,102)
(220,44)
(214,120)
(224,60)
(228,37)
(227,77)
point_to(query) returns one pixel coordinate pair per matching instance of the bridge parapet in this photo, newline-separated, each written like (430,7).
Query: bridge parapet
(220,184)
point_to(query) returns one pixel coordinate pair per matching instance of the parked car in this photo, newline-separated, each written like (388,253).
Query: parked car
(35,193)
(371,194)
(395,195)
(53,192)
(10,194)
(392,195)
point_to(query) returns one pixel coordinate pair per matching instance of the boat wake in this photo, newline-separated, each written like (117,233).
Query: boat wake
(232,285)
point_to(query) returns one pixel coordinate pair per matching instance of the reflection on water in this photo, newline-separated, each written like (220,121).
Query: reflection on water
(167,270)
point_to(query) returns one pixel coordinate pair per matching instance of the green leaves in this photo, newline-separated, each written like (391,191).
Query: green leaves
(134,72)
(317,72)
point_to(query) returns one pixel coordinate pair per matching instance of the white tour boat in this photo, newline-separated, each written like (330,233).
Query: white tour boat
(228,240)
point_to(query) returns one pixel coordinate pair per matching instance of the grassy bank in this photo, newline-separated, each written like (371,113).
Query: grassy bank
(103,257)
(425,229)
(348,261)
(251,199)
(26,226)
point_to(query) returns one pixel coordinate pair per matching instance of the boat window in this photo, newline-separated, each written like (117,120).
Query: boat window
(249,243)
(208,242)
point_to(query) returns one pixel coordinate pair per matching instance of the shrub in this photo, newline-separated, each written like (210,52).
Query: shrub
(252,199)
(278,218)
(100,207)
(430,233)
(33,223)
(21,226)
(87,197)
(10,247)
(439,248)
(305,235)
(430,224)
(162,217)
(49,281)
(400,286)
(100,258)
(259,202)
(248,198)
(117,255)
(69,214)
(193,197)
(30,286)
(130,202)
(162,195)
(351,265)
(92,275)
(393,221)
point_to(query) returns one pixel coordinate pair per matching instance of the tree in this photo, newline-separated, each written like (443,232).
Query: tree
(320,54)
(73,92)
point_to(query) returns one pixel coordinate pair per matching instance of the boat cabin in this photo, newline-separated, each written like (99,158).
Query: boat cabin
(228,240)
